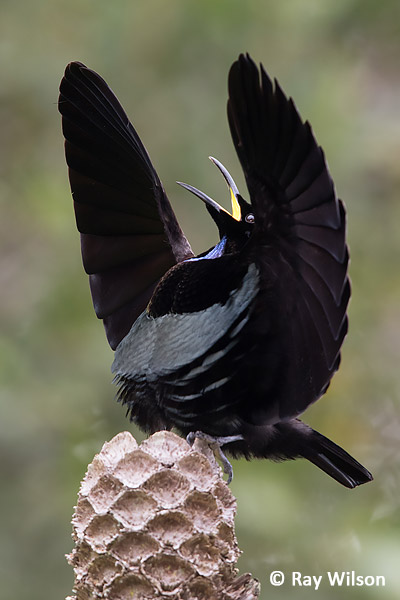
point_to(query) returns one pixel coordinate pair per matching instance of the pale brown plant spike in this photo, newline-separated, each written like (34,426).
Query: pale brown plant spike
(156,521)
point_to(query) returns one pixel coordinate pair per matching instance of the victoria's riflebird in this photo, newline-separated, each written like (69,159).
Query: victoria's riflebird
(235,343)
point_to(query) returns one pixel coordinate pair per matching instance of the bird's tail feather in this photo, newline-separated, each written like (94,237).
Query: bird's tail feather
(294,439)
(335,461)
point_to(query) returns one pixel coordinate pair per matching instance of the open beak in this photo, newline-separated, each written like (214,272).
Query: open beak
(233,189)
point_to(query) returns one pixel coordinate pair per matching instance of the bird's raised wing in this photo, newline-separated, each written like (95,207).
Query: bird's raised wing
(298,215)
(129,234)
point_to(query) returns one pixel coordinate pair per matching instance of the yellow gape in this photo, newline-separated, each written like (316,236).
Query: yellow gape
(236,210)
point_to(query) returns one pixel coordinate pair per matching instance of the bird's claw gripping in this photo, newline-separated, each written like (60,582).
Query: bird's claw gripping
(215,444)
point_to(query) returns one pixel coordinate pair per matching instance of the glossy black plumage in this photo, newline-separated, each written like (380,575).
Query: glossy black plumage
(129,233)
(238,341)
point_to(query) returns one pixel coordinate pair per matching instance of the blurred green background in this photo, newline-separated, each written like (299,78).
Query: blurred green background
(168,64)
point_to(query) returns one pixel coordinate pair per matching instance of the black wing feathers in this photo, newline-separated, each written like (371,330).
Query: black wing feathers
(297,213)
(129,234)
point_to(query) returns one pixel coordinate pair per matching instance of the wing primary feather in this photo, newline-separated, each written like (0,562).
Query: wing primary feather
(299,221)
(130,236)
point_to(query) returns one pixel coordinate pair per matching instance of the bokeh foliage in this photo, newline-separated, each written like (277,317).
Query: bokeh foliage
(168,64)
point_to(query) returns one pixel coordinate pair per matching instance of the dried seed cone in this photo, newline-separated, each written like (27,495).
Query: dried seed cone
(156,521)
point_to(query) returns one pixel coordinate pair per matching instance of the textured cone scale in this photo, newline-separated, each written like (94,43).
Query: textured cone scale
(156,521)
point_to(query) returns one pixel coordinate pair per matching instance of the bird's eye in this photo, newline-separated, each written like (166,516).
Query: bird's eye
(249,218)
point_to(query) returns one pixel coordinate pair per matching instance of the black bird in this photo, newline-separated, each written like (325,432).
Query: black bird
(235,343)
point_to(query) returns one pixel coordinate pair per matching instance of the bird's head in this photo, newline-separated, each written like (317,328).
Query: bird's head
(236,227)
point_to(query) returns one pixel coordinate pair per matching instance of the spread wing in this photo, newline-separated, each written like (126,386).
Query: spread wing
(129,234)
(299,217)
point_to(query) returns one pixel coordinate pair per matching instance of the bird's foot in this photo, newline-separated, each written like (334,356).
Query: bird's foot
(215,444)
